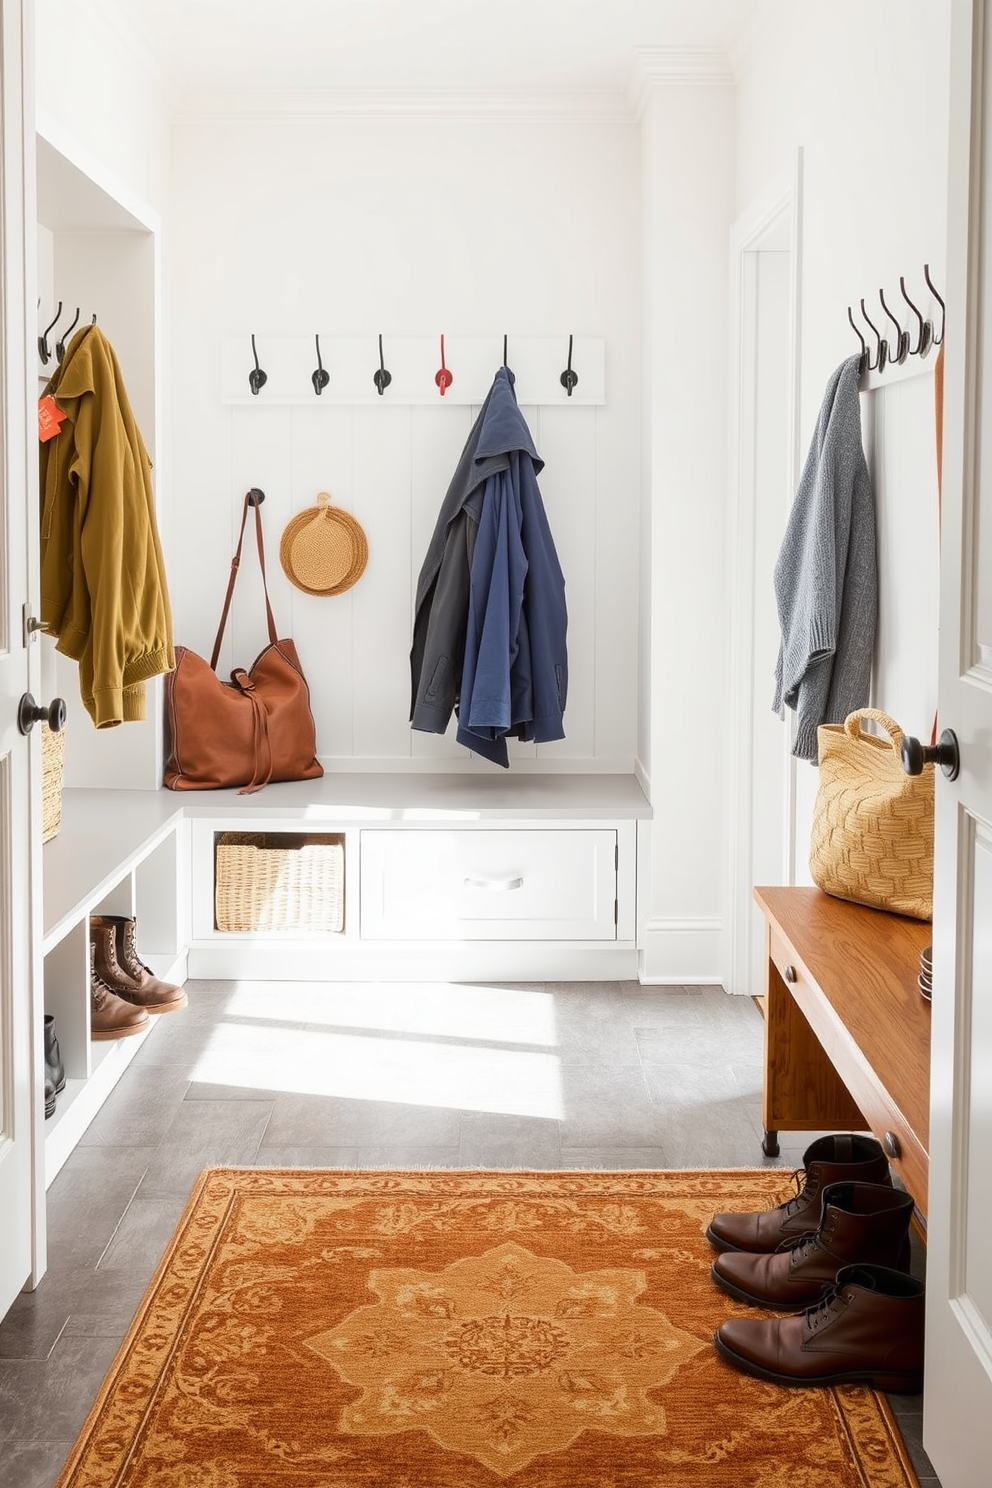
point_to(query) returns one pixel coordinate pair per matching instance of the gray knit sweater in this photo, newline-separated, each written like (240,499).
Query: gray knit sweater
(826,577)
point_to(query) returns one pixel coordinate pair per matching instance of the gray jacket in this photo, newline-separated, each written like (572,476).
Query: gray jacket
(826,577)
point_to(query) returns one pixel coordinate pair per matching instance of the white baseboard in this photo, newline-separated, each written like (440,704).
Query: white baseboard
(682,952)
(240,958)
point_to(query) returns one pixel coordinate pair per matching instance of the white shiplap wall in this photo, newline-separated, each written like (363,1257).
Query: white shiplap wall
(280,224)
(389,467)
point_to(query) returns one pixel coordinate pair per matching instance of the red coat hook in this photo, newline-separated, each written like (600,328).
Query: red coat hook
(443,377)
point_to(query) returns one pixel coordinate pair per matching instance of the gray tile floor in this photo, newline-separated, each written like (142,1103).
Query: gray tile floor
(549,1075)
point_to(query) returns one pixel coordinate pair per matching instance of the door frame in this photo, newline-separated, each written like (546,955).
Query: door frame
(776,216)
(958,1370)
(23,1247)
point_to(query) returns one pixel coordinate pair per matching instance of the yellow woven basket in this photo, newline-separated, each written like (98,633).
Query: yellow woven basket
(52,767)
(271,881)
(872,835)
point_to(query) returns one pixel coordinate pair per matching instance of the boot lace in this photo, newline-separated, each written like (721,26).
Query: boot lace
(826,1309)
(802,1244)
(803,1190)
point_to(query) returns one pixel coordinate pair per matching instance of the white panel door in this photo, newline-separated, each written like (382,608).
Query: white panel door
(958,1395)
(20,1097)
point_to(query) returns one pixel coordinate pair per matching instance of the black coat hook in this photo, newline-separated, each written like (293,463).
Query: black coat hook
(320,378)
(902,337)
(256,377)
(924,338)
(863,360)
(943,313)
(44,350)
(509,372)
(381,377)
(60,344)
(254,496)
(568,378)
(881,355)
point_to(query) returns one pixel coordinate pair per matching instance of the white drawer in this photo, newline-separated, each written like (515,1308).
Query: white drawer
(489,885)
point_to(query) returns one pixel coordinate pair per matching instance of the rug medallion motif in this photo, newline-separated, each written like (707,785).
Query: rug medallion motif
(506,1355)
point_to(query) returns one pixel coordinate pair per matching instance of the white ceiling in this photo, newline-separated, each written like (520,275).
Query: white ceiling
(275,45)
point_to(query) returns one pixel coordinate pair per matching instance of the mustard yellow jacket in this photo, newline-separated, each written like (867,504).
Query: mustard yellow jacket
(103,586)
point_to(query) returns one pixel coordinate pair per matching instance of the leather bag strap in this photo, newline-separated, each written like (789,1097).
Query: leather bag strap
(262,773)
(250,500)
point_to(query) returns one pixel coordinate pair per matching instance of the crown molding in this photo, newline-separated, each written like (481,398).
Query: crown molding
(680,67)
(516,105)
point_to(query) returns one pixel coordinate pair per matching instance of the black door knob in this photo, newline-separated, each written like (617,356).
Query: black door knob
(29,713)
(944,753)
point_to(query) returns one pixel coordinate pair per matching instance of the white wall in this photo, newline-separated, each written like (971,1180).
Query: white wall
(103,144)
(862,88)
(288,225)
(687,185)
(100,99)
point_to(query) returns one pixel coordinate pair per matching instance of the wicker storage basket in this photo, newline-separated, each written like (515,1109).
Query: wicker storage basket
(278,881)
(52,765)
(872,833)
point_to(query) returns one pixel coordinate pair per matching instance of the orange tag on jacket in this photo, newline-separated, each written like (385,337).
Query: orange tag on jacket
(50,418)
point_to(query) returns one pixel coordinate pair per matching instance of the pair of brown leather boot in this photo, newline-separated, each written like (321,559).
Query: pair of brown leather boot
(837,1254)
(123,992)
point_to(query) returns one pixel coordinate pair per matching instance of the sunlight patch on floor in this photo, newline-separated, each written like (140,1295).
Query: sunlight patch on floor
(309,1061)
(512,1015)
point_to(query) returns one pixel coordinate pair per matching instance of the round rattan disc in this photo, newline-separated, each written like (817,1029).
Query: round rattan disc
(323,549)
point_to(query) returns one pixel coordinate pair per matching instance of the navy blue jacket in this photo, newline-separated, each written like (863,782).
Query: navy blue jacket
(490,620)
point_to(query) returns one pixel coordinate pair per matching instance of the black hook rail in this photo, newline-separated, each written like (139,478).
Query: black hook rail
(45,350)
(341,383)
(896,349)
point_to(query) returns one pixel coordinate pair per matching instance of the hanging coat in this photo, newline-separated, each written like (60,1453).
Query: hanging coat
(826,576)
(104,594)
(490,619)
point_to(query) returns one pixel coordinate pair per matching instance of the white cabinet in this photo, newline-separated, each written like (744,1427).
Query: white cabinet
(444,876)
(117,852)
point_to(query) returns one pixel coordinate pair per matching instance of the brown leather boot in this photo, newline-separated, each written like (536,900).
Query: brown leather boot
(110,1016)
(846,1157)
(868,1330)
(119,965)
(861,1222)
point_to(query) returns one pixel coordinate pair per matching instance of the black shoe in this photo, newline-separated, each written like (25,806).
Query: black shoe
(54,1068)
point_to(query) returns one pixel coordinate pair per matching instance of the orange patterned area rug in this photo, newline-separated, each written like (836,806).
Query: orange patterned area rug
(438,1329)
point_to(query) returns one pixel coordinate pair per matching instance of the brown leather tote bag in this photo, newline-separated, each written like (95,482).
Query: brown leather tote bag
(255,728)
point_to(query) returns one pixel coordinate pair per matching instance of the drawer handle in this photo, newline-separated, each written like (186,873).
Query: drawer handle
(503,885)
(790,974)
(890,1143)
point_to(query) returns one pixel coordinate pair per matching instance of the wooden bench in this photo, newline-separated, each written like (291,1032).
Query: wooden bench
(847,1030)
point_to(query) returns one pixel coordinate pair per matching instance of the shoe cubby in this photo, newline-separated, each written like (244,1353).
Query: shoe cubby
(116,853)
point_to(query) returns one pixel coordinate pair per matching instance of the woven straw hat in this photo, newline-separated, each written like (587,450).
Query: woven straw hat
(323,549)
